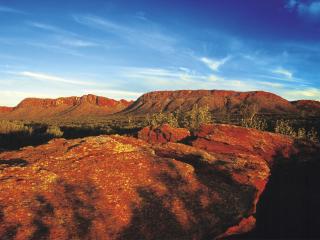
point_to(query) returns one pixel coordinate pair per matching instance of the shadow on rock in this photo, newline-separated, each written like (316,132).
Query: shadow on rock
(182,213)
(289,206)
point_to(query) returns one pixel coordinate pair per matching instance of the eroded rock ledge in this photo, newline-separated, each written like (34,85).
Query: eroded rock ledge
(115,187)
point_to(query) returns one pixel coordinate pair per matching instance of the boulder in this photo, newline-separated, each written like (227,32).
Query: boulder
(163,134)
(221,137)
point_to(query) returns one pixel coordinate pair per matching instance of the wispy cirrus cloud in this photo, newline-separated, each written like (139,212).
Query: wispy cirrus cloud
(148,35)
(64,37)
(52,78)
(50,28)
(184,78)
(5,9)
(214,64)
(76,42)
(56,48)
(283,72)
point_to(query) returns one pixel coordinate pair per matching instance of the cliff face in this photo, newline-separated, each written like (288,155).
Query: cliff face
(68,107)
(215,99)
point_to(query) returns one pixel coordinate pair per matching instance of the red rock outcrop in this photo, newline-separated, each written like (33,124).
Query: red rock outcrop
(112,187)
(68,107)
(216,100)
(163,134)
(219,138)
(115,187)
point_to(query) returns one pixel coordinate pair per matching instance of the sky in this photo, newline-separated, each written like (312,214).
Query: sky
(124,48)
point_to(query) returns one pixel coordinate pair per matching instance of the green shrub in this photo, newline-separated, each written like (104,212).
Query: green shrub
(54,131)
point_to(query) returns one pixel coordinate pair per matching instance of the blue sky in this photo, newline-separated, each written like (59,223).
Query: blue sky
(123,48)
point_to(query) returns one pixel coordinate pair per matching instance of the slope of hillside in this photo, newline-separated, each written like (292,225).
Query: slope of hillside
(217,100)
(69,107)
(310,106)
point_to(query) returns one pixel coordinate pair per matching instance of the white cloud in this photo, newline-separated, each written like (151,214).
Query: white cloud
(214,78)
(271,84)
(51,78)
(284,72)
(213,64)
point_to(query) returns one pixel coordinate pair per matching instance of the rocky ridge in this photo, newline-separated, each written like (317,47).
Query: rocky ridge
(216,100)
(68,107)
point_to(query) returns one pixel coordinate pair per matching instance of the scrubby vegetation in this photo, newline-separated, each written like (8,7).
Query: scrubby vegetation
(249,117)
(285,127)
(14,127)
(54,131)
(256,122)
(17,134)
(190,119)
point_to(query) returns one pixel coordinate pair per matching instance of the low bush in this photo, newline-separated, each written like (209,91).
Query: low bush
(7,127)
(54,131)
(190,119)
(285,127)
(255,122)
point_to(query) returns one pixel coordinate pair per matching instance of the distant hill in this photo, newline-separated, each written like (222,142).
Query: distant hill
(308,106)
(68,107)
(217,101)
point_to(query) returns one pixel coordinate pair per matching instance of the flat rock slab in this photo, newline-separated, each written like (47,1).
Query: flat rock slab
(113,187)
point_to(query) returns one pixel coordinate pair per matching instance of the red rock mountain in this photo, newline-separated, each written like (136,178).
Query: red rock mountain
(69,107)
(215,99)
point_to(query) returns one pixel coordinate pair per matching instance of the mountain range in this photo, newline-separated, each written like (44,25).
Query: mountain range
(152,102)
(67,107)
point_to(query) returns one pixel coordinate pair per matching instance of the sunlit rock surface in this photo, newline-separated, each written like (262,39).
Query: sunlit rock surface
(115,187)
